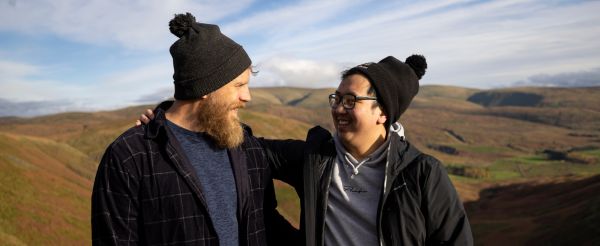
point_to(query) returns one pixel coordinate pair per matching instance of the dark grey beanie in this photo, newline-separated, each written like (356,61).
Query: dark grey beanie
(203,58)
(395,82)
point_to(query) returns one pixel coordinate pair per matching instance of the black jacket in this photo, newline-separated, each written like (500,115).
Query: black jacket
(146,192)
(419,205)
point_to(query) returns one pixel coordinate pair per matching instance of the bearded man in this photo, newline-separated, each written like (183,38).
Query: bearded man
(194,175)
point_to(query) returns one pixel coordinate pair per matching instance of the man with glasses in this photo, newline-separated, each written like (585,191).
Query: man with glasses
(366,184)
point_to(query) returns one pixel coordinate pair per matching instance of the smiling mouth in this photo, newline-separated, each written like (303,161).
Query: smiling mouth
(342,122)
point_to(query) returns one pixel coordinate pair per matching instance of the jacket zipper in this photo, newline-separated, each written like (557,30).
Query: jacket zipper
(325,207)
(385,195)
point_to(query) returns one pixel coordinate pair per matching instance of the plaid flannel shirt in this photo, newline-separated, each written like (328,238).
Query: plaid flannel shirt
(146,192)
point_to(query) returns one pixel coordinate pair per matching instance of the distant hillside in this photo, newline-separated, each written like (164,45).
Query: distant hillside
(547,97)
(575,108)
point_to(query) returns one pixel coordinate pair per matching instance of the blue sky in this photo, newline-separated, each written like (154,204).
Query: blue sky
(64,55)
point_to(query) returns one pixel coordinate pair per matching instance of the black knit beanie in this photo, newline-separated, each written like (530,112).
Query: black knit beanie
(203,58)
(395,82)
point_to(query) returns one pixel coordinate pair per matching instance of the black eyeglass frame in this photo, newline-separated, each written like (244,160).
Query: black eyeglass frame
(335,100)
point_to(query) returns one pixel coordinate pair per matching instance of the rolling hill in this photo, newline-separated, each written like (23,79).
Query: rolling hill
(542,212)
(490,141)
(44,192)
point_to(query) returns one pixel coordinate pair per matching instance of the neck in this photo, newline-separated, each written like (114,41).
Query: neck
(185,114)
(362,147)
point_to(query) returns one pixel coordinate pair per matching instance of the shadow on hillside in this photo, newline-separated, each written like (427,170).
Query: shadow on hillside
(552,213)
(494,98)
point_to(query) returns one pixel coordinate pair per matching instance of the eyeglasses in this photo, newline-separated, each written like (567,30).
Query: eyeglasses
(348,100)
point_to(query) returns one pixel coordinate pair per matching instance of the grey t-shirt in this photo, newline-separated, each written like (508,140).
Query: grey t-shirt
(354,193)
(216,179)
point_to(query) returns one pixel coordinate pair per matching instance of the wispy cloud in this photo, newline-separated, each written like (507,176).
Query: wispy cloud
(303,43)
(136,24)
(44,107)
(573,79)
(157,96)
(21,82)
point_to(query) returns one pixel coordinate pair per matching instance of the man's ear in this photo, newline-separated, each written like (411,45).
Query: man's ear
(382,118)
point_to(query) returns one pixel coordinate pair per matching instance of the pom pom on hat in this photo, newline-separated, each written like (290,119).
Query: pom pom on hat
(418,64)
(181,24)
(204,59)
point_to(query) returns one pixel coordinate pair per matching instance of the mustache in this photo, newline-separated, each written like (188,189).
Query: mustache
(237,105)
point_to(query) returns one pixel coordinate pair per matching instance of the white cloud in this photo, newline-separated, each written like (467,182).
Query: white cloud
(14,70)
(36,108)
(159,95)
(146,84)
(294,72)
(19,84)
(479,44)
(304,43)
(137,24)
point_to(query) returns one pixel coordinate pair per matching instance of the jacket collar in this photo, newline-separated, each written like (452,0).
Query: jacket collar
(400,153)
(156,127)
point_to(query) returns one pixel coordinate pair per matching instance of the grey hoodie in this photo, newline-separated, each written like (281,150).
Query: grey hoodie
(356,186)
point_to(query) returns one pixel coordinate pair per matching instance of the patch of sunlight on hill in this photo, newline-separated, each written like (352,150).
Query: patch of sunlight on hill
(44,192)
(282,95)
(300,97)
(288,203)
(270,126)
(445,91)
(10,240)
(262,97)
(94,140)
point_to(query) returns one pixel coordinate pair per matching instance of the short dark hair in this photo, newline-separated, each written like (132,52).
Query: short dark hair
(371,91)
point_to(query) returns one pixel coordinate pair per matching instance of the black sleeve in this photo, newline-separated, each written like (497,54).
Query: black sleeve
(279,230)
(447,222)
(285,159)
(114,204)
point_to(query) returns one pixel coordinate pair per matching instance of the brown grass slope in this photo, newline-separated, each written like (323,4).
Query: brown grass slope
(480,147)
(87,132)
(44,192)
(47,166)
(544,212)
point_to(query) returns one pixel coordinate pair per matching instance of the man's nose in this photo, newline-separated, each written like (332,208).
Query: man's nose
(245,95)
(338,108)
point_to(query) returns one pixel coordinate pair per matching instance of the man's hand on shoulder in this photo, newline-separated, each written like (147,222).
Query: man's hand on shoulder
(146,117)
